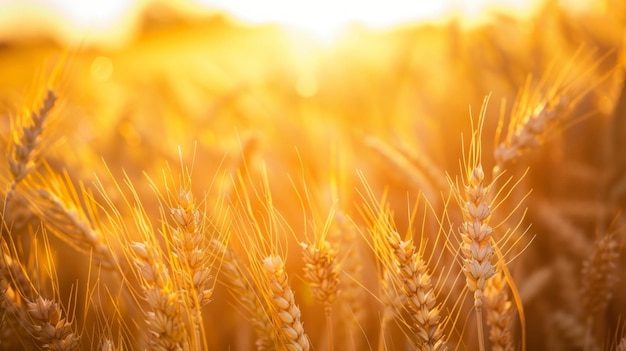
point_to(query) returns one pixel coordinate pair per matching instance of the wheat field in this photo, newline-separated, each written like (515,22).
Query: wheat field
(219,186)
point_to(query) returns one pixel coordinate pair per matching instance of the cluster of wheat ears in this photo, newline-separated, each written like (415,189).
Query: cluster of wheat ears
(369,245)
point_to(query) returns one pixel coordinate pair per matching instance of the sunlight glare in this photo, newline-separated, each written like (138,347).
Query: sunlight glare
(326,18)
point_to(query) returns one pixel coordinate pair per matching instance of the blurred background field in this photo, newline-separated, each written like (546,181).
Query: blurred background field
(235,95)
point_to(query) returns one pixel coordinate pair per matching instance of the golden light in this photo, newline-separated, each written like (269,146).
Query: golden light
(106,22)
(312,174)
(325,19)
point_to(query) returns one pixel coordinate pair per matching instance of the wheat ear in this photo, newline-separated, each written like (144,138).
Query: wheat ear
(191,246)
(164,319)
(286,312)
(191,242)
(476,233)
(600,274)
(16,320)
(420,294)
(70,213)
(25,148)
(499,313)
(529,129)
(53,332)
(321,272)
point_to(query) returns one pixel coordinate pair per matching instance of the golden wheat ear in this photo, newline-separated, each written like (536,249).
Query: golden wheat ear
(481,242)
(499,312)
(600,274)
(70,212)
(321,272)
(477,250)
(410,288)
(34,319)
(53,332)
(286,313)
(539,110)
(28,142)
(264,234)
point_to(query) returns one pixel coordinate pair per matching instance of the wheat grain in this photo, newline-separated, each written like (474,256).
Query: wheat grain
(476,233)
(321,271)
(52,331)
(191,243)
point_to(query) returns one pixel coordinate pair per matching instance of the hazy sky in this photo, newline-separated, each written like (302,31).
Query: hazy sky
(108,18)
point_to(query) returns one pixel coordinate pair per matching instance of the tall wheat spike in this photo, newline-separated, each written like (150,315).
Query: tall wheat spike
(476,234)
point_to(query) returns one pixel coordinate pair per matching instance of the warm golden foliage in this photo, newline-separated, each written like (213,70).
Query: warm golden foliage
(192,197)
